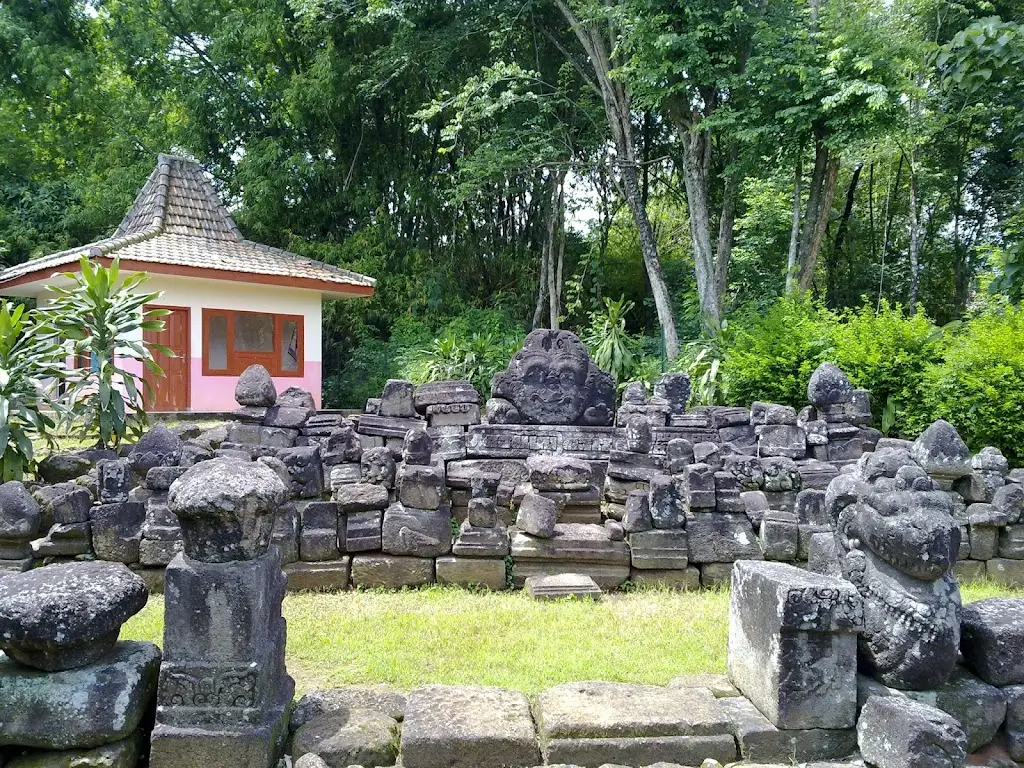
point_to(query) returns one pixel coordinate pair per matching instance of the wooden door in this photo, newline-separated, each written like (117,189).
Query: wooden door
(171,391)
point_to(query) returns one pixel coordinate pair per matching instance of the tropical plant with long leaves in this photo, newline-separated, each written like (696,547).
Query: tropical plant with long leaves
(30,367)
(611,346)
(104,318)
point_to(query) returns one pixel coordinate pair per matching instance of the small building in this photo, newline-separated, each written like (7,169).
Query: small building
(232,302)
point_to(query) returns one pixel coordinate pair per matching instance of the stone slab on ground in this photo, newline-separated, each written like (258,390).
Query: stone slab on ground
(606,576)
(468,571)
(330,575)
(758,739)
(599,710)
(572,541)
(640,752)
(468,727)
(345,737)
(391,571)
(379,698)
(562,585)
(78,708)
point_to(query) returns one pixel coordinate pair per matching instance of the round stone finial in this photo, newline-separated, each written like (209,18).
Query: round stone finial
(828,386)
(226,508)
(942,452)
(67,615)
(255,388)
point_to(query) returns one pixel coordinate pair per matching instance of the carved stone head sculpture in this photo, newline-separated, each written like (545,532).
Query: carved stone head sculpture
(552,380)
(897,541)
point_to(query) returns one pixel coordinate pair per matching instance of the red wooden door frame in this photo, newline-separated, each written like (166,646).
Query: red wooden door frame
(185,355)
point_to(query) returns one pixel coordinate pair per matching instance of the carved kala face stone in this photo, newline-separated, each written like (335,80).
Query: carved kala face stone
(912,531)
(378,467)
(552,380)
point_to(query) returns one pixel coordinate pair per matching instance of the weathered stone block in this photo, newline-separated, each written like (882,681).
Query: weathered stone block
(559,473)
(537,515)
(1009,573)
(421,486)
(416,532)
(793,644)
(117,531)
(683,580)
(779,536)
(992,640)
(721,538)
(347,737)
(562,585)
(391,571)
(158,553)
(481,542)
(468,727)
(894,733)
(361,497)
(659,549)
(605,575)
(328,576)
(397,400)
(363,531)
(667,503)
(761,741)
(472,571)
(78,708)
(699,487)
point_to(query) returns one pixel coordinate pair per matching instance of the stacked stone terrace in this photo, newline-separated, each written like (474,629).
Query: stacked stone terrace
(420,489)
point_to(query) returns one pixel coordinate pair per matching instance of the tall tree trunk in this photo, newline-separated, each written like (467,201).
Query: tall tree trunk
(915,239)
(819,204)
(726,227)
(554,267)
(887,228)
(617,102)
(794,232)
(696,172)
(840,241)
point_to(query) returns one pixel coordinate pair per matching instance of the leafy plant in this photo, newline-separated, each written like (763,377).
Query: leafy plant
(474,358)
(30,366)
(104,318)
(888,416)
(610,344)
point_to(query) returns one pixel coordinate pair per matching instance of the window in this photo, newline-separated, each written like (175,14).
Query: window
(233,340)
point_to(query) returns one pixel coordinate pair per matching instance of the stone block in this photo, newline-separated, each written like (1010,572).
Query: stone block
(363,531)
(342,738)
(420,486)
(537,515)
(595,723)
(572,542)
(397,399)
(305,469)
(1008,573)
(93,705)
(472,571)
(391,571)
(117,531)
(721,538)
(113,480)
(468,727)
(683,580)
(782,440)
(559,473)
(285,535)
(1015,721)
(318,544)
(779,536)
(360,497)
(637,516)
(727,492)
(659,549)
(481,542)
(453,414)
(120,754)
(667,502)
(606,576)
(416,532)
(330,576)
(714,575)
(761,741)
(160,478)
(793,644)
(562,585)
(1011,542)
(158,553)
(64,503)
(444,392)
(287,417)
(901,733)
(699,487)
(482,512)
(992,640)
(984,541)
(376,698)
(968,571)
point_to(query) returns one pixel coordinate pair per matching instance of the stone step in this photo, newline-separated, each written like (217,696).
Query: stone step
(562,585)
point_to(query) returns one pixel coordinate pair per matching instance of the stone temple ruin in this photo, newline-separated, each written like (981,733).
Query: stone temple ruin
(844,548)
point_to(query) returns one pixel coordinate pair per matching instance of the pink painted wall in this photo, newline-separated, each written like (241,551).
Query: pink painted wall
(217,393)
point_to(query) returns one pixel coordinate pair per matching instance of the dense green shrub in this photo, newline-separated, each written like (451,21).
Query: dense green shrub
(771,356)
(887,353)
(979,386)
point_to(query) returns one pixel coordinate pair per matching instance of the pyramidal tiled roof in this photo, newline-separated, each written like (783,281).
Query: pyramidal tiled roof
(178,220)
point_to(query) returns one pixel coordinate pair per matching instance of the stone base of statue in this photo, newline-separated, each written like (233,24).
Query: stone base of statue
(224,695)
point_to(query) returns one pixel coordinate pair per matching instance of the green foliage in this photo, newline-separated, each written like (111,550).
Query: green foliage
(610,345)
(104,318)
(979,385)
(772,355)
(30,366)
(887,353)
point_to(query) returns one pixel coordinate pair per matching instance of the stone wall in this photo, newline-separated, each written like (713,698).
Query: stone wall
(420,488)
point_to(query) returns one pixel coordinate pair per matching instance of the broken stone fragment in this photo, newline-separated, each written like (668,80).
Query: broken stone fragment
(255,388)
(68,615)
(828,386)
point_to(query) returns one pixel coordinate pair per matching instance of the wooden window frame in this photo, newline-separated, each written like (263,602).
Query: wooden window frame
(239,361)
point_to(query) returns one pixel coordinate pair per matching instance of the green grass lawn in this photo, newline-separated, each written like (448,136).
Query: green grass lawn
(453,636)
